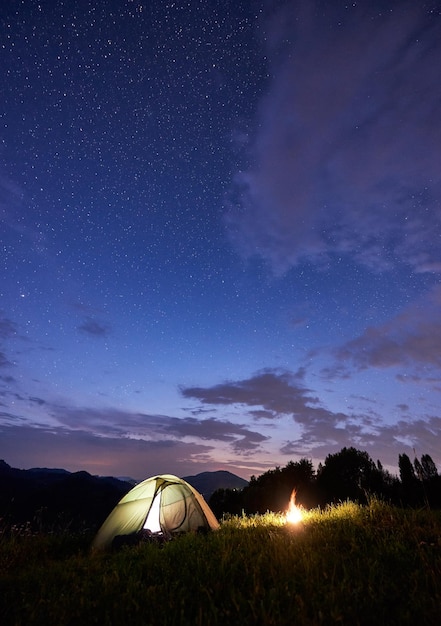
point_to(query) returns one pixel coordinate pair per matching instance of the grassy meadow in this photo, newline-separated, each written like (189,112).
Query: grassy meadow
(347,564)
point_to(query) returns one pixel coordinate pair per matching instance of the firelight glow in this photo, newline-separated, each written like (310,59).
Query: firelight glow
(294,513)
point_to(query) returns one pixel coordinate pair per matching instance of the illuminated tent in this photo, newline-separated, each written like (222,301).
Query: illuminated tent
(159,506)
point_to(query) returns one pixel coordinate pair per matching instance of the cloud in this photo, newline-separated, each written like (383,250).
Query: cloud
(403,407)
(10,202)
(6,379)
(92,327)
(9,418)
(8,328)
(241,437)
(38,401)
(277,391)
(117,442)
(115,423)
(322,431)
(4,361)
(117,456)
(347,148)
(386,442)
(18,220)
(411,339)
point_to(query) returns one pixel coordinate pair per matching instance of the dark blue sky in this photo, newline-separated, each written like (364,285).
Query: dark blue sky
(220,233)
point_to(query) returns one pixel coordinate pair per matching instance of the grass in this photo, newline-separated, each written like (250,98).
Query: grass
(344,565)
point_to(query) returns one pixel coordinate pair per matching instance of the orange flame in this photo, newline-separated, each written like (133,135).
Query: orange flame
(294,513)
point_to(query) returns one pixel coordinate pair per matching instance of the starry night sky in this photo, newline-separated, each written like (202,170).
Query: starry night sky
(220,233)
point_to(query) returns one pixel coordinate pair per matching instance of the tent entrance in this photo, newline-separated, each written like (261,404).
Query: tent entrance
(152,520)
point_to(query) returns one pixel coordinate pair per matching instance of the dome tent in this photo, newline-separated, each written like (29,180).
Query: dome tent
(165,505)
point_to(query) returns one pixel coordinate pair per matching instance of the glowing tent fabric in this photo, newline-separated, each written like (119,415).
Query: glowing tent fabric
(162,504)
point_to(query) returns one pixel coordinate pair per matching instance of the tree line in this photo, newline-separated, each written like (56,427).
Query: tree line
(350,474)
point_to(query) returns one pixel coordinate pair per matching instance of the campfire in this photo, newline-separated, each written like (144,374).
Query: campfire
(294,513)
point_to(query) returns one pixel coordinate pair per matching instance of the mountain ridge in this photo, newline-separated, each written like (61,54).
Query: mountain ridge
(208,482)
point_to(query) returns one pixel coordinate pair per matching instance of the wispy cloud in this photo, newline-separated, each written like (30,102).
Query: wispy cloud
(8,328)
(4,361)
(347,148)
(150,427)
(94,328)
(385,442)
(411,339)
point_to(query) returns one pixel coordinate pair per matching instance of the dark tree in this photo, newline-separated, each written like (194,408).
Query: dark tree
(428,467)
(351,474)
(226,501)
(430,481)
(407,472)
(412,493)
(418,469)
(272,490)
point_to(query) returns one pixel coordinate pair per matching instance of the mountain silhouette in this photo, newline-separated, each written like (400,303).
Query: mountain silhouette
(55,500)
(208,482)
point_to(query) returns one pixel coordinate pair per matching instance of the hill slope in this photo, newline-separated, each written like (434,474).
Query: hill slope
(208,482)
(57,499)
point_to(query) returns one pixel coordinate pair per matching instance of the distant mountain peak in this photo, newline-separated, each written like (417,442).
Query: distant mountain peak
(209,482)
